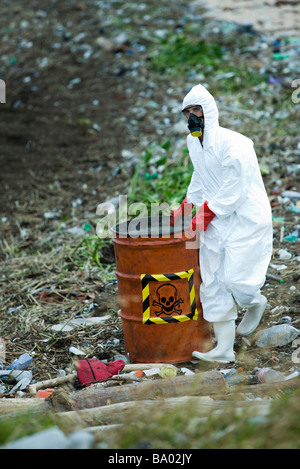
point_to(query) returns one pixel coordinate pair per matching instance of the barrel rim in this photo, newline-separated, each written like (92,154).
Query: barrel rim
(159,227)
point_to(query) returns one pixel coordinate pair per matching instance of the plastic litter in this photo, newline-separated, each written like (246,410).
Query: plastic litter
(187,371)
(152,371)
(50,215)
(293,236)
(43,393)
(3,389)
(284,254)
(122,357)
(276,336)
(75,351)
(295,208)
(292,375)
(168,371)
(273,277)
(76,231)
(291,194)
(139,373)
(278,267)
(268,375)
(80,322)
(22,384)
(13,376)
(133,375)
(24,361)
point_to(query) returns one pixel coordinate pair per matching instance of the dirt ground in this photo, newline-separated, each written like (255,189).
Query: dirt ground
(61,138)
(274,16)
(53,152)
(42,144)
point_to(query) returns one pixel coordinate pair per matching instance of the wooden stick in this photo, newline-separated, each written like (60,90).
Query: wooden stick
(33,388)
(197,384)
(127,412)
(266,389)
(14,405)
(144,366)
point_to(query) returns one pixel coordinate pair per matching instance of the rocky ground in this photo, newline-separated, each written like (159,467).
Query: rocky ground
(86,95)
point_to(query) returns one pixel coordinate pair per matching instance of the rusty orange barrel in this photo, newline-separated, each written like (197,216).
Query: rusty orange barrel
(158,285)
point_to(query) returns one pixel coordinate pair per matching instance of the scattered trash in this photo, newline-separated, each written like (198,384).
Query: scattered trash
(278,267)
(75,351)
(273,277)
(268,375)
(80,322)
(284,254)
(43,393)
(152,372)
(291,194)
(76,231)
(13,310)
(187,371)
(292,237)
(168,371)
(122,357)
(21,384)
(139,373)
(11,376)
(50,215)
(24,361)
(276,336)
(92,370)
(234,376)
(295,208)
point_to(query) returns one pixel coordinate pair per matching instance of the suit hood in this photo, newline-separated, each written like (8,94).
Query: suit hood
(199,95)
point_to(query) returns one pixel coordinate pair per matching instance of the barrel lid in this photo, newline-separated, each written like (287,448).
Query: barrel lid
(154,227)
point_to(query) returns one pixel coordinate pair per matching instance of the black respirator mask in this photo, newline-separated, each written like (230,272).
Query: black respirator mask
(195,125)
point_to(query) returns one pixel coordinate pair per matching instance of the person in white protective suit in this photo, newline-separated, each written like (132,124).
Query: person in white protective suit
(234,219)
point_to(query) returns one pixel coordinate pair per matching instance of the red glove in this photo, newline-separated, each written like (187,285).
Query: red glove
(202,218)
(92,370)
(184,209)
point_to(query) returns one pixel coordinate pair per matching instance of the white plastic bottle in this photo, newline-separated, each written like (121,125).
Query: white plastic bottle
(268,375)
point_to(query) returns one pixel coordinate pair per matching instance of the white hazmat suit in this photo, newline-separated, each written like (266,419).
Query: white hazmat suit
(236,248)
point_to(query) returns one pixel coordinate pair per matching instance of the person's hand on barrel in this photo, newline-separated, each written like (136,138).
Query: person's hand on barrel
(184,209)
(202,218)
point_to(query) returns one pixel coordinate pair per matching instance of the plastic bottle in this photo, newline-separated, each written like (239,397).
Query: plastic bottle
(276,336)
(268,375)
(21,363)
(75,351)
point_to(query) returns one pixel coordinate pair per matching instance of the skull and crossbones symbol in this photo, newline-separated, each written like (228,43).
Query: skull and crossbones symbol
(167,300)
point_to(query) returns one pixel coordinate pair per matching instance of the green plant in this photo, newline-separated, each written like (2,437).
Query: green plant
(178,51)
(89,249)
(161,175)
(13,427)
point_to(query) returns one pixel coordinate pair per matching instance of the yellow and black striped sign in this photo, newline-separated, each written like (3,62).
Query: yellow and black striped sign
(146,278)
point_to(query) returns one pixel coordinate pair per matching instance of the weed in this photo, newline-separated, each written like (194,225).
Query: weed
(13,427)
(161,175)
(236,426)
(178,52)
(89,249)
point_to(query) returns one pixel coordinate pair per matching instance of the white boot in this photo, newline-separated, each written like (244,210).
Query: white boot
(252,318)
(223,352)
